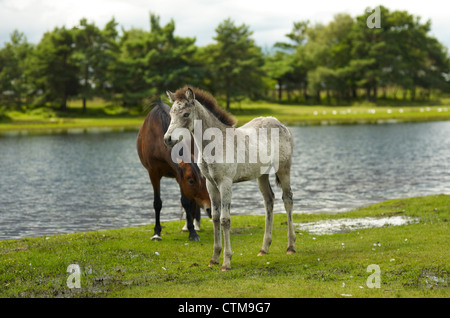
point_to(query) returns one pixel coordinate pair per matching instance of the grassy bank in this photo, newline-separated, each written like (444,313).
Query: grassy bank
(414,259)
(100,116)
(324,115)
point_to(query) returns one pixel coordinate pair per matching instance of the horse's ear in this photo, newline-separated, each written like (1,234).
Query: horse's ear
(190,95)
(180,166)
(171,96)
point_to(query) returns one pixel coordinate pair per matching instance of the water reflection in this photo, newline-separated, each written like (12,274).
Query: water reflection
(68,183)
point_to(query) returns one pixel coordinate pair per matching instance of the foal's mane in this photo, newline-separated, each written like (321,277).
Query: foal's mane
(209,102)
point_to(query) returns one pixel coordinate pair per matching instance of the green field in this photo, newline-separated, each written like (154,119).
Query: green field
(104,117)
(413,259)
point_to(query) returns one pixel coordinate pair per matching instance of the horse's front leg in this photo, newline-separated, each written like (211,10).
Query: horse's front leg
(214,195)
(190,208)
(225,220)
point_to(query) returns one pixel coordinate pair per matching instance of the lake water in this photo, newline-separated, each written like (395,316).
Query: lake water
(52,184)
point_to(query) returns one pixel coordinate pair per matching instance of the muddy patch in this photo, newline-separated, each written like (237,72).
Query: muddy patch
(349,225)
(433,279)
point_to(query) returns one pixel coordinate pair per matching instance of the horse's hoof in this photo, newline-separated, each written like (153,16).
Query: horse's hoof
(194,238)
(156,237)
(261,253)
(225,269)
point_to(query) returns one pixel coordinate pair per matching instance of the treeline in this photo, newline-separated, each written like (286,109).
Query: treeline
(334,63)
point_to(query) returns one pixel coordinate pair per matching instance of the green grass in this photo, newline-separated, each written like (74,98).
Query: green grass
(322,115)
(414,259)
(107,117)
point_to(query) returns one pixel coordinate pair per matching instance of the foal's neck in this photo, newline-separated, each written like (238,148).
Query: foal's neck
(208,120)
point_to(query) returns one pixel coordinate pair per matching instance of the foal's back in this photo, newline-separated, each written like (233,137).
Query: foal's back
(284,145)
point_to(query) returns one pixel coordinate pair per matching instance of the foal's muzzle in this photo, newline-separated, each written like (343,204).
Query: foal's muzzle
(168,141)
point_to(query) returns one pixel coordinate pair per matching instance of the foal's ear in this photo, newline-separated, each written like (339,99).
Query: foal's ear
(190,95)
(171,96)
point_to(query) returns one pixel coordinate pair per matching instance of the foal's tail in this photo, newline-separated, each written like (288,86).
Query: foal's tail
(277,181)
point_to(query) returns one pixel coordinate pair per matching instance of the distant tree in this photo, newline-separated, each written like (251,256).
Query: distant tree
(54,69)
(87,38)
(326,58)
(172,59)
(14,82)
(106,61)
(294,66)
(236,62)
(279,67)
(152,62)
(436,67)
(340,59)
(401,53)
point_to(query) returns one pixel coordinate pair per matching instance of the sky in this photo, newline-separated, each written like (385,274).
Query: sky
(270,20)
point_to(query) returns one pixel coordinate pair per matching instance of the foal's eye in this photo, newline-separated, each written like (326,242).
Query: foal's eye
(186,115)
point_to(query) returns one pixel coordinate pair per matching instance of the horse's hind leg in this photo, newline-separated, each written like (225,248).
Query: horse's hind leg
(266,190)
(190,208)
(283,178)
(157,205)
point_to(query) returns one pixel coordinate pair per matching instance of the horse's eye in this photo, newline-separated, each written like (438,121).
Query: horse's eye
(186,115)
(191,181)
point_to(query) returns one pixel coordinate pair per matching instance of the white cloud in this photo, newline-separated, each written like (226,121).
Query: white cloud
(270,20)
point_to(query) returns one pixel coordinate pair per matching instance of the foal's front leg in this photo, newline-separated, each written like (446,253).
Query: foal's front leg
(214,195)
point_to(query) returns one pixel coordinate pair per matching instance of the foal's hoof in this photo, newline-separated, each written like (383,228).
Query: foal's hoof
(212,263)
(261,253)
(290,250)
(156,237)
(226,269)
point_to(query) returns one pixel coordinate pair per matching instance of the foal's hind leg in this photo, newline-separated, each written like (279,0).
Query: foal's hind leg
(266,190)
(284,181)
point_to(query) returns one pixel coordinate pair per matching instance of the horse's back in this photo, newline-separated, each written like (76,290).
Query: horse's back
(150,141)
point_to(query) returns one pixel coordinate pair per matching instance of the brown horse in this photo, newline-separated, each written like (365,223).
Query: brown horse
(156,158)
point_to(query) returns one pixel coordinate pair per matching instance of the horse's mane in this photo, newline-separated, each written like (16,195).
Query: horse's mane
(209,102)
(160,112)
